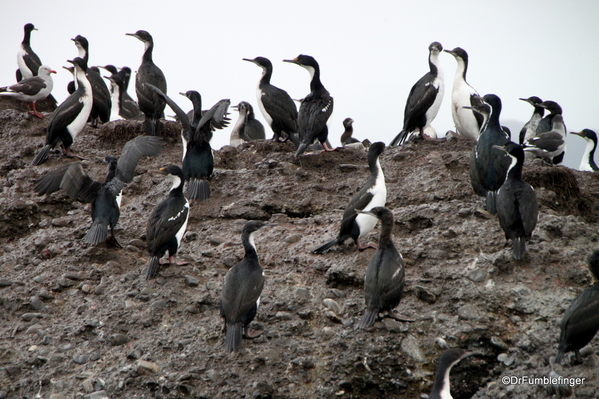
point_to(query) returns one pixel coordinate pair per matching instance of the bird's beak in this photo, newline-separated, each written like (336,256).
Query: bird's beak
(523,99)
(247,59)
(581,134)
(468,107)
(52,71)
(364,212)
(448,51)
(293,61)
(131,34)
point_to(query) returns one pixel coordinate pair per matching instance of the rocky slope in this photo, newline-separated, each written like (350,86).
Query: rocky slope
(81,321)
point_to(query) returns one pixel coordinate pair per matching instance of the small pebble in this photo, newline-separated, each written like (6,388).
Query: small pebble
(145,367)
(5,282)
(31,316)
(118,339)
(80,359)
(332,305)
(192,281)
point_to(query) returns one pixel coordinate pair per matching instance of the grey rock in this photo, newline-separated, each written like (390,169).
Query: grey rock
(425,294)
(145,367)
(392,325)
(505,359)
(36,303)
(477,275)
(469,312)
(498,343)
(191,280)
(332,305)
(97,395)
(5,282)
(118,339)
(411,347)
(81,359)
(31,316)
(302,292)
(284,315)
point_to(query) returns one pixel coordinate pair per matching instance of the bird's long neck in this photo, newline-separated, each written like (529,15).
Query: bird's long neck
(349,130)
(386,238)
(494,116)
(247,239)
(266,75)
(433,62)
(26,38)
(315,84)
(515,169)
(147,57)
(588,159)
(83,53)
(462,68)
(177,188)
(539,111)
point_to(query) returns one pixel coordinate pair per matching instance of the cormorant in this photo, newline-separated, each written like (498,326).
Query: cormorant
(374,193)
(549,146)
(241,292)
(517,207)
(384,280)
(150,104)
(167,222)
(104,197)
(546,125)
(424,99)
(29,63)
(247,127)
(449,358)
(32,89)
(315,108)
(346,137)
(529,130)
(70,117)
(123,106)
(276,105)
(588,158)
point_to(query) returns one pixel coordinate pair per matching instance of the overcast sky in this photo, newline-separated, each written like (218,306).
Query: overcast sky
(370,52)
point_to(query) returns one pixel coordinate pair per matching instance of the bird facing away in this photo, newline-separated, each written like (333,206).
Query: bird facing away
(275,104)
(374,193)
(488,167)
(549,145)
(449,358)
(247,127)
(587,163)
(167,223)
(467,123)
(517,206)
(424,99)
(104,197)
(150,104)
(32,89)
(69,118)
(315,108)
(529,130)
(241,291)
(580,322)
(27,60)
(384,280)
(198,161)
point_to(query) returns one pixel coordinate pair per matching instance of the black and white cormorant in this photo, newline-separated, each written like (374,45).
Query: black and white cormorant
(276,105)
(517,206)
(241,291)
(384,280)
(167,223)
(546,123)
(580,322)
(33,89)
(467,122)
(198,160)
(149,103)
(529,130)
(104,197)
(449,358)
(67,121)
(424,99)
(28,62)
(315,108)
(549,146)
(488,167)
(129,105)
(587,162)
(374,193)
(346,136)
(123,106)
(101,95)
(247,127)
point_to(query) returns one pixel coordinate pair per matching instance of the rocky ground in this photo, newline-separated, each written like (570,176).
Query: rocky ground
(81,321)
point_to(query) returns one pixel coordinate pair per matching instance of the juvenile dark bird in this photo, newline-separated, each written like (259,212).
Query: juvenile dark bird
(517,206)
(33,89)
(123,106)
(449,358)
(167,223)
(315,108)
(529,130)
(546,123)
(198,161)
(587,162)
(580,322)
(549,146)
(27,60)
(150,104)
(384,280)
(104,197)
(424,99)
(67,121)
(276,105)
(247,127)
(374,193)
(346,136)
(467,122)
(241,292)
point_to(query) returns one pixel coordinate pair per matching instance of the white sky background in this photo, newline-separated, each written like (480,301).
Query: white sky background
(370,52)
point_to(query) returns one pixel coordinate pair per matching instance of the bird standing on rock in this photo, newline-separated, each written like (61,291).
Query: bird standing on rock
(529,130)
(549,146)
(315,108)
(32,89)
(27,60)
(247,127)
(346,136)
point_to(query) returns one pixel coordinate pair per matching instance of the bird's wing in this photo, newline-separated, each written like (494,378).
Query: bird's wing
(133,151)
(71,178)
(32,61)
(50,182)
(242,295)
(62,117)
(278,102)
(164,223)
(421,98)
(213,119)
(313,117)
(181,115)
(29,86)
(549,141)
(358,202)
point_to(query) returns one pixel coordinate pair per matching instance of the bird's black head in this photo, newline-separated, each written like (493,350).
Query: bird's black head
(254,225)
(111,68)
(494,101)
(458,52)
(533,100)
(81,41)
(450,357)
(79,62)
(593,262)
(551,106)
(194,96)
(376,149)
(347,122)
(511,148)
(243,107)
(586,134)
(435,46)
(262,62)
(304,60)
(142,35)
(172,170)
(29,27)
(479,105)
(111,162)
(125,71)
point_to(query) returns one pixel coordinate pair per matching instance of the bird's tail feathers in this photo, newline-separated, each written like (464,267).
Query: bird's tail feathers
(559,356)
(198,189)
(152,267)
(518,247)
(301,148)
(492,202)
(152,127)
(41,156)
(400,138)
(368,319)
(96,234)
(325,247)
(233,337)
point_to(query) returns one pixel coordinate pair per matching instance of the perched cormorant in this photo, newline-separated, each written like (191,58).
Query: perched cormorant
(467,123)
(104,197)
(123,106)
(529,130)
(384,280)
(588,158)
(449,358)
(488,167)
(424,99)
(70,117)
(150,104)
(550,145)
(29,63)
(276,105)
(247,127)
(241,292)
(315,108)
(101,95)
(198,161)
(167,222)
(580,322)
(546,123)
(346,137)
(517,207)
(32,89)
(374,193)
